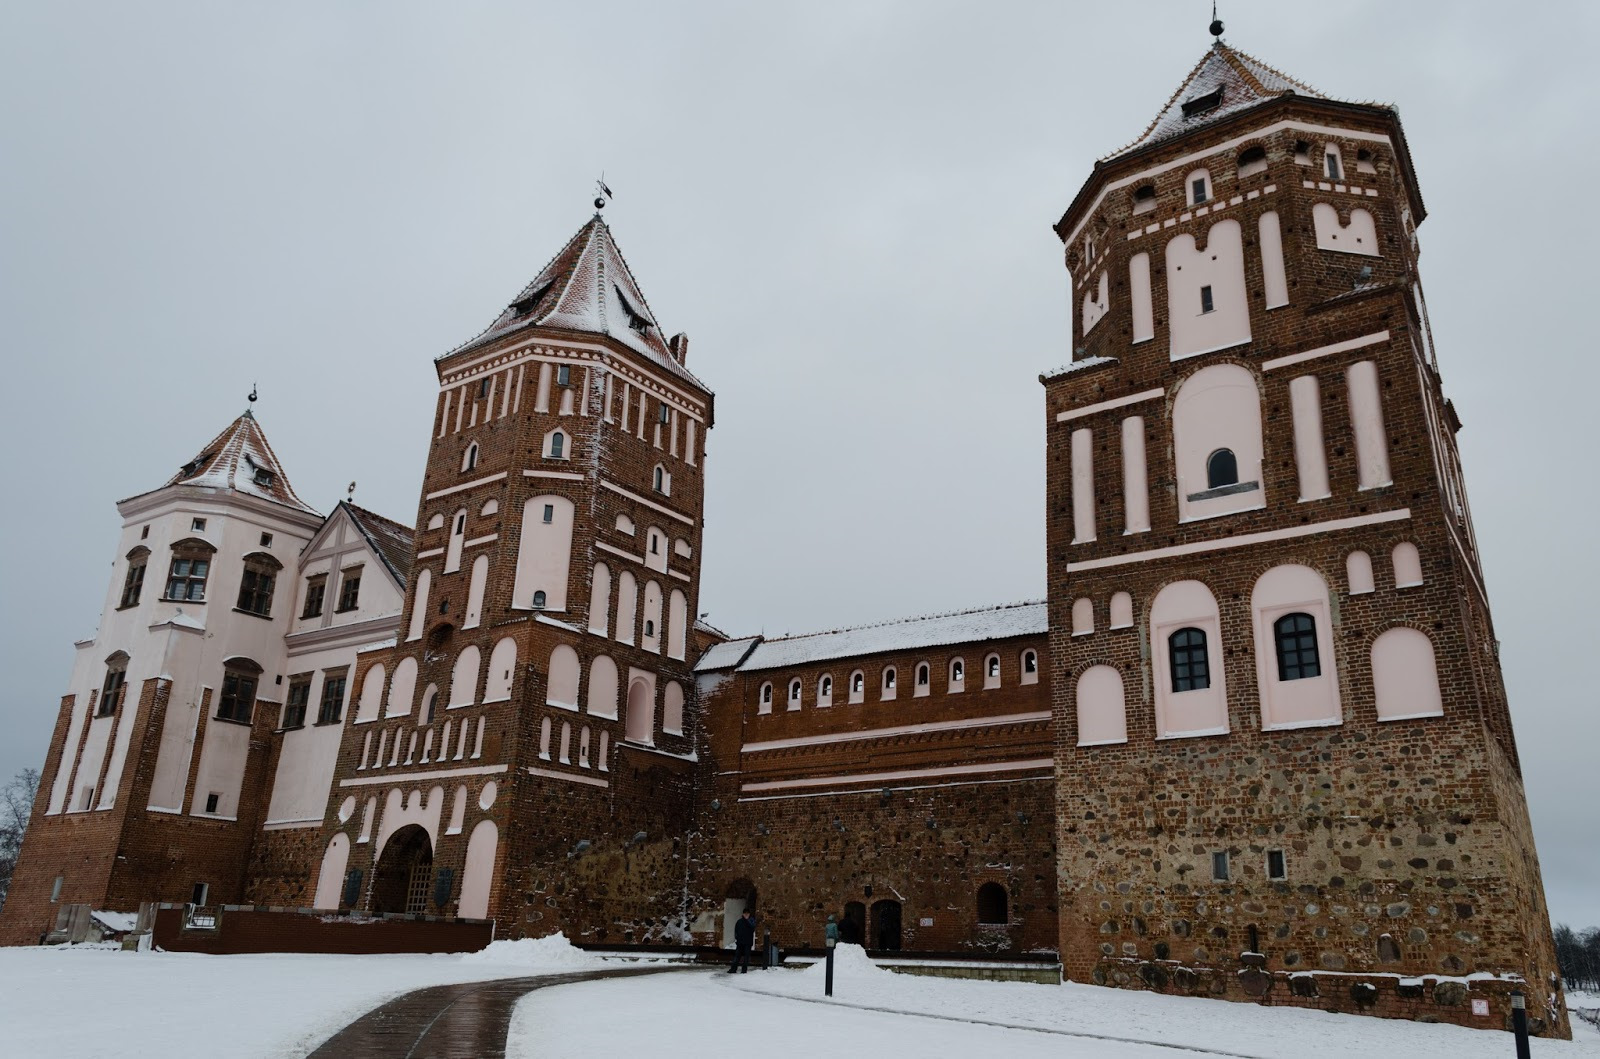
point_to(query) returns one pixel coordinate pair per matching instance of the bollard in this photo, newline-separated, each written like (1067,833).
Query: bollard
(828,975)
(1519,1024)
(830,934)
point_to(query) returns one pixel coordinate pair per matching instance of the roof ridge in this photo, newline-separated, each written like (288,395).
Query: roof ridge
(906,621)
(1237,54)
(381,518)
(1194,72)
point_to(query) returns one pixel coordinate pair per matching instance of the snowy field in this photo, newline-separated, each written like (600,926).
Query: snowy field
(80,1002)
(782,1014)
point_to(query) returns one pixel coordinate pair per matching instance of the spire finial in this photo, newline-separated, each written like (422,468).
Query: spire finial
(602,194)
(253,395)
(1216,23)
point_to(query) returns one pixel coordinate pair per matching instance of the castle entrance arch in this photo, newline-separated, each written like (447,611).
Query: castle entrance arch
(886,925)
(740,894)
(853,927)
(403,878)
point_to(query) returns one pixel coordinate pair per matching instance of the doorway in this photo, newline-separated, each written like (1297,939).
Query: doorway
(403,879)
(886,926)
(740,894)
(853,928)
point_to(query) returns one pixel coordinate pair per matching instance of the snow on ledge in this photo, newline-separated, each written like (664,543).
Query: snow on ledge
(1078,365)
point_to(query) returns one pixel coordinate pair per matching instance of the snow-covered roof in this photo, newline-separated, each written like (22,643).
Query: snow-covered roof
(390,539)
(934,630)
(240,460)
(1238,81)
(1078,365)
(116,922)
(587,287)
(725,655)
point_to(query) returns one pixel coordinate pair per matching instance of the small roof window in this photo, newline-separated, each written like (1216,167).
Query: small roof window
(1201,104)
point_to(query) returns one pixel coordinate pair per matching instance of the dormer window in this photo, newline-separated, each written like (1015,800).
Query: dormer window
(1202,104)
(262,477)
(530,301)
(636,320)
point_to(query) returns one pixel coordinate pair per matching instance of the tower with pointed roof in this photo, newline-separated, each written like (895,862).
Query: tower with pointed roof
(1285,760)
(525,747)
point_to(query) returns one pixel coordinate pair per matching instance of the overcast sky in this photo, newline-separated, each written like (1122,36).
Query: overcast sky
(847,206)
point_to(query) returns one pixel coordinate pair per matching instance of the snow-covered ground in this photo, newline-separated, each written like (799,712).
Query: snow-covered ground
(907,1015)
(86,1001)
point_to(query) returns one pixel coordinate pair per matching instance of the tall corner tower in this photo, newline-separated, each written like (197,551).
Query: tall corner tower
(154,785)
(1285,759)
(524,750)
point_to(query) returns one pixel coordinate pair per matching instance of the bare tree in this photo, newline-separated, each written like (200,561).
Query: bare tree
(16,805)
(1579,957)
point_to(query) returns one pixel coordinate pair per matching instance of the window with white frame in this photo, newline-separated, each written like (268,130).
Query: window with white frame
(794,694)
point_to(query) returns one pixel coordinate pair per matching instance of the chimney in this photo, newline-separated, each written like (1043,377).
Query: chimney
(678,344)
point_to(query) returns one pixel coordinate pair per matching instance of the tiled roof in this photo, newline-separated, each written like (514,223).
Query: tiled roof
(725,655)
(1242,82)
(934,630)
(388,538)
(240,460)
(587,287)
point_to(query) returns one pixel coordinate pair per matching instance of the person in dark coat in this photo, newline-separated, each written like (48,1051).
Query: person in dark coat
(744,936)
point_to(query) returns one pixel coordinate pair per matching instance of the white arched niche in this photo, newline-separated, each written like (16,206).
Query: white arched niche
(1294,649)
(1216,443)
(1102,709)
(1186,654)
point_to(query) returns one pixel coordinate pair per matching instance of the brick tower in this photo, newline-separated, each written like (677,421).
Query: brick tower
(1285,761)
(523,752)
(151,790)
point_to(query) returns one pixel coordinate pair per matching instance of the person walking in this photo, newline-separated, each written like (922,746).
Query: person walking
(744,936)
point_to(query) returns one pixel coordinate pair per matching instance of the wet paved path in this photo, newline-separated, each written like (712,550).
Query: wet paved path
(465,1021)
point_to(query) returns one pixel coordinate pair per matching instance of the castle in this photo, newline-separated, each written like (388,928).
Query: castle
(1253,745)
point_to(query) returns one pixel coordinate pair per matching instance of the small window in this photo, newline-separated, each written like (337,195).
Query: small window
(1207,303)
(483,387)
(655,544)
(889,679)
(200,894)
(1202,104)
(1222,468)
(1302,153)
(660,480)
(211,801)
(186,582)
(1253,160)
(198,525)
(332,698)
(558,446)
(1198,191)
(86,800)
(115,686)
(992,901)
(133,583)
(649,627)
(1296,638)
(294,709)
(764,703)
(1219,866)
(255,587)
(238,698)
(538,604)
(144,533)
(958,671)
(994,666)
(563,374)
(1144,199)
(266,540)
(350,590)
(262,477)
(922,675)
(1030,662)
(316,591)
(549,515)
(1191,666)
(461,523)
(1334,170)
(826,687)
(469,462)
(662,415)
(794,694)
(1277,867)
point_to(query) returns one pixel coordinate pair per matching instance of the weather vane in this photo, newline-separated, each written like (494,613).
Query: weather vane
(602,194)
(252,397)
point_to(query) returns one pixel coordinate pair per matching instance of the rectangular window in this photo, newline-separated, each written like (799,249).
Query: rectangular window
(1206,304)
(1199,190)
(549,513)
(255,591)
(1333,166)
(198,525)
(200,894)
(1219,867)
(266,540)
(211,801)
(294,709)
(1276,866)
(133,584)
(1190,661)
(187,580)
(662,415)
(564,375)
(316,589)
(55,888)
(87,800)
(350,590)
(332,698)
(111,692)
(238,698)
(483,387)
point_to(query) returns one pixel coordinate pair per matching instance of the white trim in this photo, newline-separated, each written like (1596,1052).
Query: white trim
(1410,716)
(603,546)
(465,485)
(904,774)
(1106,742)
(1215,149)
(592,781)
(685,519)
(490,539)
(1244,540)
(680,575)
(1323,351)
(430,553)
(1290,726)
(903,787)
(540,351)
(148,809)
(419,777)
(1197,733)
(286,825)
(571,476)
(1106,406)
(904,729)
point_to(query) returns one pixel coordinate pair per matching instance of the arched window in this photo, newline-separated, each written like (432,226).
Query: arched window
(469,460)
(1332,163)
(1358,573)
(430,702)
(992,904)
(1121,610)
(1082,617)
(991,671)
(794,694)
(1144,198)
(958,676)
(1295,636)
(888,683)
(649,628)
(115,686)
(1198,185)
(858,686)
(237,700)
(1189,660)
(1222,468)
(1252,160)
(764,703)
(558,446)
(1030,666)
(825,691)
(661,480)
(924,678)
(538,599)
(1405,677)
(1407,565)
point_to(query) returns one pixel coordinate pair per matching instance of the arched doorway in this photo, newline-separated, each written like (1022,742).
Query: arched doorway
(886,926)
(740,895)
(403,880)
(853,927)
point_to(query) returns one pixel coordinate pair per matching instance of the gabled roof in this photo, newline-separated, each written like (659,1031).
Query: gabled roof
(587,287)
(390,539)
(934,630)
(240,460)
(1237,81)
